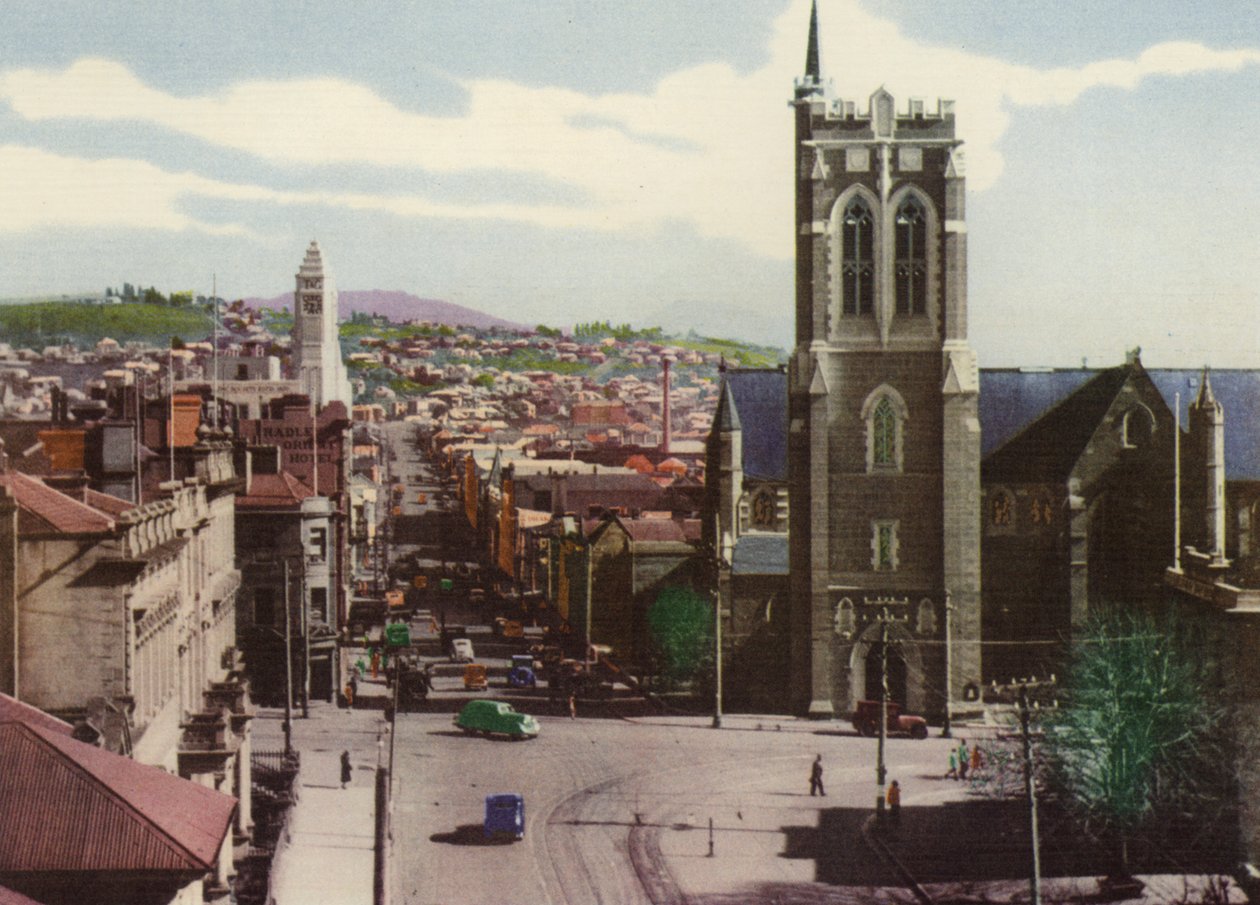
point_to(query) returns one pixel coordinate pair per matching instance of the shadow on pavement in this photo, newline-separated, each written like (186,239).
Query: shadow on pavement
(988,840)
(465,834)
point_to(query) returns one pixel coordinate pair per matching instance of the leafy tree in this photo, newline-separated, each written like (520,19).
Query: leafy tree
(1136,737)
(153,297)
(681,623)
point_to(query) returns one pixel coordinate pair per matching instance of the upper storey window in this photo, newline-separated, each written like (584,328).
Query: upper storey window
(858,260)
(911,263)
(884,434)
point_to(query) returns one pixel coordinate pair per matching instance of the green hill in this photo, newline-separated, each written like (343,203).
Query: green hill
(53,323)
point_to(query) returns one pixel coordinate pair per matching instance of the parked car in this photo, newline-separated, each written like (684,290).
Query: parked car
(462,651)
(866,720)
(505,817)
(496,718)
(475,677)
(522,674)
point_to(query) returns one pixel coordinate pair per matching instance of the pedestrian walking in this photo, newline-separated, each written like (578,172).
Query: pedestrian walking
(894,802)
(345,768)
(352,688)
(815,778)
(376,662)
(572,706)
(976,761)
(964,759)
(952,772)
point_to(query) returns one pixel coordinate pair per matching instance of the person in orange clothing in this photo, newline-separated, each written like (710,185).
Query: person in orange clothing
(894,801)
(976,761)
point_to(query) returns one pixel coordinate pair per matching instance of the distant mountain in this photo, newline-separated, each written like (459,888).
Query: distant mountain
(398,306)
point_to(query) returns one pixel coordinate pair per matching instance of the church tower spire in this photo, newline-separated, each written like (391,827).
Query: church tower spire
(811,83)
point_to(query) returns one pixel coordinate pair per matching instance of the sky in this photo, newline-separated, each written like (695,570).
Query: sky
(554,161)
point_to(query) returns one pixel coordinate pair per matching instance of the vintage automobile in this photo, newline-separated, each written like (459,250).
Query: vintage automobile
(496,718)
(462,651)
(866,720)
(505,817)
(521,675)
(475,677)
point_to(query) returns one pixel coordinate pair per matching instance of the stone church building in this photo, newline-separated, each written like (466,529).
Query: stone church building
(883,432)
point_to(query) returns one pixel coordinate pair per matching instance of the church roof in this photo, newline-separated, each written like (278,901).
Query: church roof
(1011,400)
(759,396)
(760,554)
(1048,448)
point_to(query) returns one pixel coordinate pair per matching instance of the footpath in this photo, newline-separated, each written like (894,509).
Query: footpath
(326,855)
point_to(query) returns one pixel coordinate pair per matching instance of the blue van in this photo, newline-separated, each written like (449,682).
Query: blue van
(505,817)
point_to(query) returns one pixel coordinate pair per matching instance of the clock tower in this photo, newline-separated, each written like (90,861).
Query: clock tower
(884,437)
(317,363)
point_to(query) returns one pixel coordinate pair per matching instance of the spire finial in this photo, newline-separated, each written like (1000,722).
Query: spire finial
(813,69)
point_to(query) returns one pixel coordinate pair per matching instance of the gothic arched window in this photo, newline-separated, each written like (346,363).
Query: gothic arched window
(911,262)
(884,434)
(857,269)
(885,415)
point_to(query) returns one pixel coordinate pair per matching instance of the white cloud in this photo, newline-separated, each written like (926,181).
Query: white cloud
(41,189)
(708,146)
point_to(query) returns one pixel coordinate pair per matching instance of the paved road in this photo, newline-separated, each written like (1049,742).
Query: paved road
(617,811)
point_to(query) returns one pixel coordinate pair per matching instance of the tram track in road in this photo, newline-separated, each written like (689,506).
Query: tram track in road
(579,870)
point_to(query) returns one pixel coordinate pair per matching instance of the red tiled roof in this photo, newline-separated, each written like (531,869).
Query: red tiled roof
(274,491)
(672,465)
(41,508)
(68,806)
(13,709)
(110,505)
(640,463)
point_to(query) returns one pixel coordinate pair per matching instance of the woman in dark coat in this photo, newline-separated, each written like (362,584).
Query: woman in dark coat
(345,768)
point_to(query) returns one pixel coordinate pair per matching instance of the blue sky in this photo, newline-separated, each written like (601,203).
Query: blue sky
(563,161)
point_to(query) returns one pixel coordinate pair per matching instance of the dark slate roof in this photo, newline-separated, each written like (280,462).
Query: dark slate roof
(760,397)
(1011,400)
(1049,447)
(1238,392)
(760,554)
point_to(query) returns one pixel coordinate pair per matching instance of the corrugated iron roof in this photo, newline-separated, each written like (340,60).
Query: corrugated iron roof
(13,709)
(13,897)
(68,806)
(110,505)
(42,508)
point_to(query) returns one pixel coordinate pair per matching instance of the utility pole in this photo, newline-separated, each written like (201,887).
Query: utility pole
(949,666)
(885,618)
(590,577)
(288,666)
(717,658)
(1021,688)
(881,772)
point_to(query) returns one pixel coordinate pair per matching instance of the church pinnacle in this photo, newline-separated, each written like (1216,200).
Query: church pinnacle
(811,83)
(813,69)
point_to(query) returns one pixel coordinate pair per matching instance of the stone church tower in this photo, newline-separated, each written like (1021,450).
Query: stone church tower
(884,438)
(317,364)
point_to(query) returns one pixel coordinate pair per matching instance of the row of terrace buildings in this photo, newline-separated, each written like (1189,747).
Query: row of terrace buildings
(159,543)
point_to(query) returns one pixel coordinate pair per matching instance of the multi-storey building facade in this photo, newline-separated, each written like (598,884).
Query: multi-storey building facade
(884,441)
